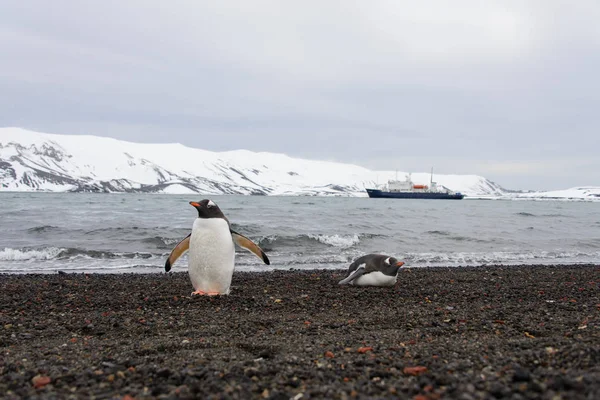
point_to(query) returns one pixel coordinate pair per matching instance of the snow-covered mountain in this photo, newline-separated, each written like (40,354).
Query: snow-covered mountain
(34,161)
(591,193)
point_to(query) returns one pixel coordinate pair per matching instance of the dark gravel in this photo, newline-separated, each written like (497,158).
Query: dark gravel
(469,333)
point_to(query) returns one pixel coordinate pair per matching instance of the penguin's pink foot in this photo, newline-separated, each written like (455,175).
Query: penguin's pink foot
(202,293)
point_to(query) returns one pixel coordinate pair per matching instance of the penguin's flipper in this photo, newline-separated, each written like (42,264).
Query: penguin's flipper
(181,248)
(248,244)
(353,275)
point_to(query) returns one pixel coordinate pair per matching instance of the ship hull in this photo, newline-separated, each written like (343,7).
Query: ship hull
(380,194)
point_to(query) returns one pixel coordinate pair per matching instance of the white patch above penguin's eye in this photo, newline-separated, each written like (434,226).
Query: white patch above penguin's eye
(210,204)
(387,260)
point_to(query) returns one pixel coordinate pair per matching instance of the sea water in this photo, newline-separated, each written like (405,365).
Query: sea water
(50,232)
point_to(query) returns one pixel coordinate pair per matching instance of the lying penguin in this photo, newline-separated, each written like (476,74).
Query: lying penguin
(212,251)
(373,270)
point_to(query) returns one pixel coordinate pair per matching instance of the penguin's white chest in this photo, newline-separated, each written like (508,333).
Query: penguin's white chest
(375,279)
(211,255)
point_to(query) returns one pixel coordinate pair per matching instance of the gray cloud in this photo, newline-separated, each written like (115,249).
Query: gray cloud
(508,90)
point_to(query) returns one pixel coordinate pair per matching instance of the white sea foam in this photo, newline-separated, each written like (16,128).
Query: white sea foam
(341,241)
(56,253)
(472,258)
(48,253)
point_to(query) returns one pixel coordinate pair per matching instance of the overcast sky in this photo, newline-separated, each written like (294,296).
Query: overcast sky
(509,90)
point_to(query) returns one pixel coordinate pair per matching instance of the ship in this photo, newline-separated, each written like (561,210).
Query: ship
(406,189)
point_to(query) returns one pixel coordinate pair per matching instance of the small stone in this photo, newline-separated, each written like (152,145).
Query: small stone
(523,387)
(498,390)
(39,381)
(108,364)
(414,370)
(164,373)
(521,375)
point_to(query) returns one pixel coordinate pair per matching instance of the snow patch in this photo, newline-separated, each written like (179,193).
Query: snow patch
(178,188)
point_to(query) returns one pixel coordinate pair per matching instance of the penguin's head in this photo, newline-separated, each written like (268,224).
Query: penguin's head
(393,262)
(207,209)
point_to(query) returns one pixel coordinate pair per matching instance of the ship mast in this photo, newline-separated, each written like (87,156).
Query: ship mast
(431,179)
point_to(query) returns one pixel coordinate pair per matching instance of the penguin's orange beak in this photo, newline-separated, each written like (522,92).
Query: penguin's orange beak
(399,263)
(193,203)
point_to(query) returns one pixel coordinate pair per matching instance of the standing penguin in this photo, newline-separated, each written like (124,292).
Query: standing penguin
(373,270)
(212,252)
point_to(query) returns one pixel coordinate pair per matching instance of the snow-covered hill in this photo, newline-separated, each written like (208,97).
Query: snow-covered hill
(33,161)
(591,193)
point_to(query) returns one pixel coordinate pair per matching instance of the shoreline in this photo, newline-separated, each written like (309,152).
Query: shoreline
(262,269)
(521,331)
(510,196)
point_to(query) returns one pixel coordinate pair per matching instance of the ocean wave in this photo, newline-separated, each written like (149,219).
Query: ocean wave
(246,228)
(48,253)
(296,259)
(58,253)
(42,228)
(102,267)
(114,229)
(590,243)
(468,239)
(70,253)
(161,242)
(339,241)
(342,241)
(525,214)
(466,258)
(441,233)
(138,230)
(457,238)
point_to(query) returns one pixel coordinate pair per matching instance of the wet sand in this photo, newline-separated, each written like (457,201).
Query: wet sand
(468,333)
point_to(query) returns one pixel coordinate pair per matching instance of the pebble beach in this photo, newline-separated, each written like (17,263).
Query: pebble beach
(519,332)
